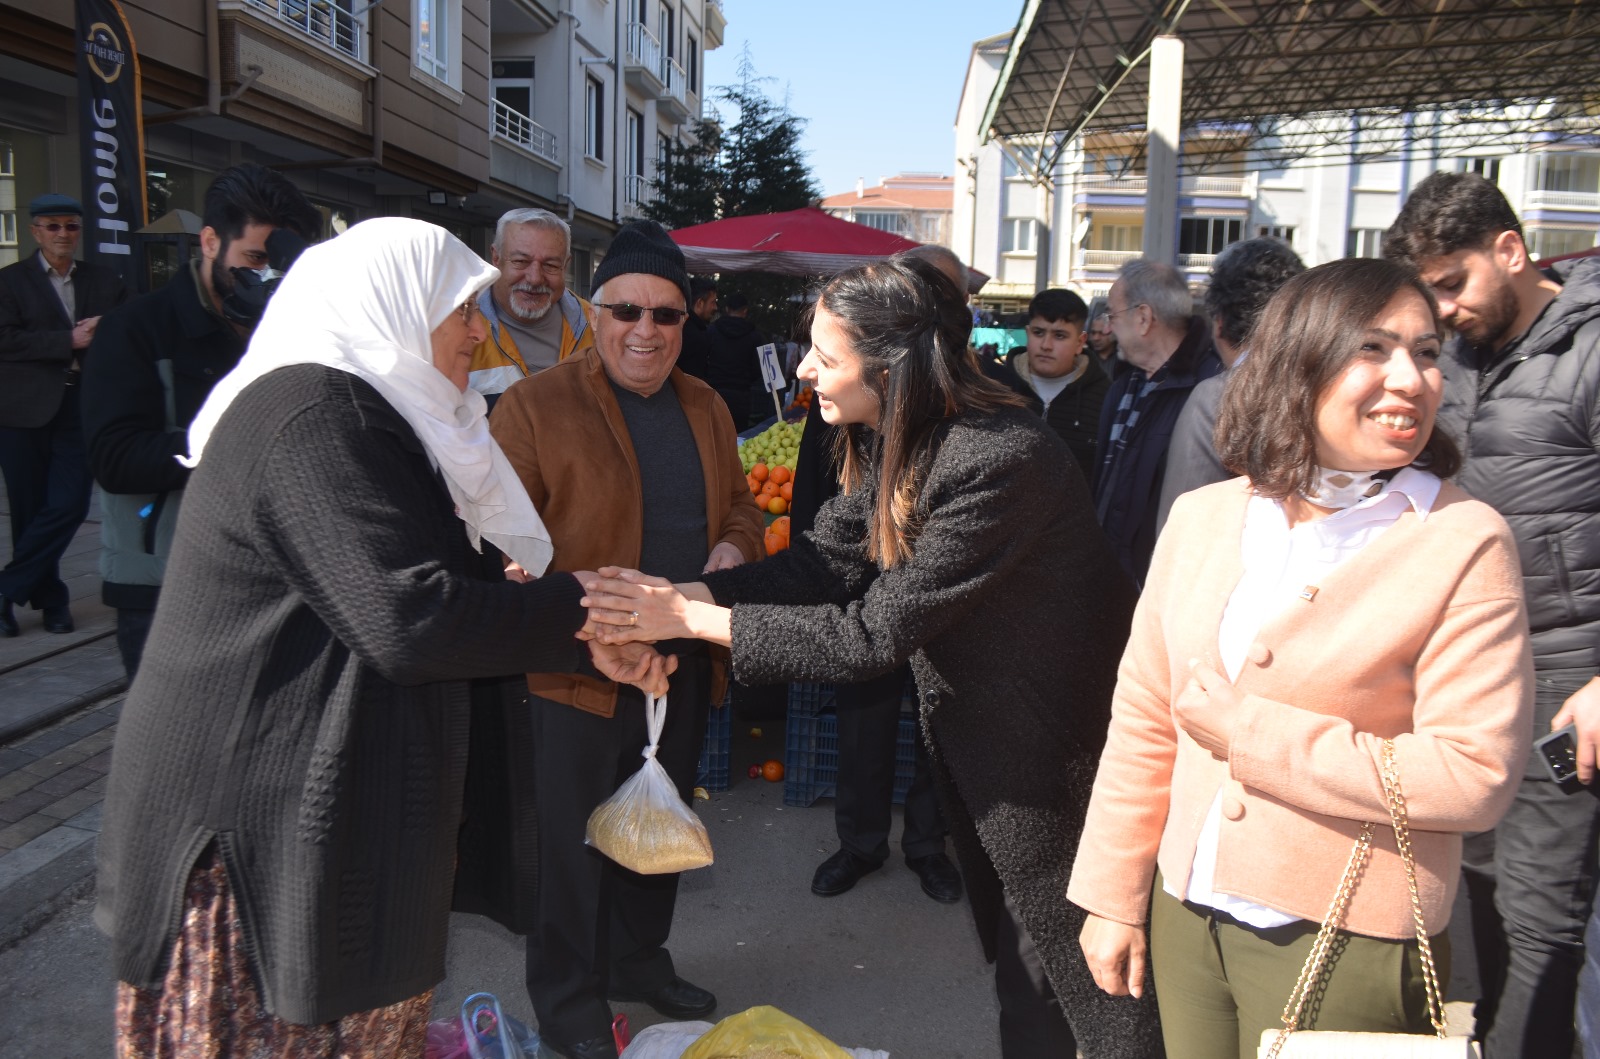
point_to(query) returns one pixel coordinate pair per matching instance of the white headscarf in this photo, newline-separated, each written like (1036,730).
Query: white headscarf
(367,303)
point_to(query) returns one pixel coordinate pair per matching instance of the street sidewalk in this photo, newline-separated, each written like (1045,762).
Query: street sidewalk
(59,700)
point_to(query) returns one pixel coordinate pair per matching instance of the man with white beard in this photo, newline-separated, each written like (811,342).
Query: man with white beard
(534,321)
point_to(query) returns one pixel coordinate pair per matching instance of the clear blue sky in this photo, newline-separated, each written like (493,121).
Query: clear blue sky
(877,81)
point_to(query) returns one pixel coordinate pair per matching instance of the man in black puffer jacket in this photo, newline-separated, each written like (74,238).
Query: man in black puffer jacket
(734,368)
(1522,398)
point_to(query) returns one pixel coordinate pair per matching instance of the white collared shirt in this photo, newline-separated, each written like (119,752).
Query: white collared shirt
(63,286)
(1279,564)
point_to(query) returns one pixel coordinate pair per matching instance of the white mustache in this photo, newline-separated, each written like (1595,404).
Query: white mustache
(528,288)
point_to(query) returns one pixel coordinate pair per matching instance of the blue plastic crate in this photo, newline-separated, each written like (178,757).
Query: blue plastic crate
(811,758)
(814,698)
(713,774)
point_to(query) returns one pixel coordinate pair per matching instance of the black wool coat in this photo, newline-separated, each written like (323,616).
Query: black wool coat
(36,336)
(303,702)
(1013,613)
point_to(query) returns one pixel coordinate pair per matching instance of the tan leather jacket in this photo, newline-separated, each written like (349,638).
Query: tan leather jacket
(564,433)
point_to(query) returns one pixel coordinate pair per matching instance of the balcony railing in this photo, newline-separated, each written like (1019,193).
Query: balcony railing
(1106,258)
(1210,185)
(1196,260)
(635,190)
(1582,200)
(523,131)
(673,77)
(643,48)
(1108,182)
(328,21)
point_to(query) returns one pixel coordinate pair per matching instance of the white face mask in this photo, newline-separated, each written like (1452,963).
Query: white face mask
(1342,489)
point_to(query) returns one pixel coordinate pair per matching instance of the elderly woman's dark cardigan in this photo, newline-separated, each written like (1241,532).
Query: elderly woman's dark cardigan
(1014,614)
(303,702)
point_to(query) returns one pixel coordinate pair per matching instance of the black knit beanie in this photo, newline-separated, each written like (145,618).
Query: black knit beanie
(644,247)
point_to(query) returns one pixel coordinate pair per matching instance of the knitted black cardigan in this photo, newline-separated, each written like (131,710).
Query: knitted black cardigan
(303,701)
(1014,613)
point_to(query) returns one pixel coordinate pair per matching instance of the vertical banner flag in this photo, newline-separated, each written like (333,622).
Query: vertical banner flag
(110,136)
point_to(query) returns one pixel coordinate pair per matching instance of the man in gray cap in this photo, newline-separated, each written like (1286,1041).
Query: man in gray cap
(50,305)
(631,462)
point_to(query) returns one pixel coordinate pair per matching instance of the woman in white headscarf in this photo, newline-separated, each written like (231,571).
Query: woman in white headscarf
(279,840)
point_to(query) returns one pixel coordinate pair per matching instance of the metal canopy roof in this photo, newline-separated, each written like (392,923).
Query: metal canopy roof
(1463,72)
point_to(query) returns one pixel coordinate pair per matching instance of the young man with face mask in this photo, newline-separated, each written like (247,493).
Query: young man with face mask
(151,366)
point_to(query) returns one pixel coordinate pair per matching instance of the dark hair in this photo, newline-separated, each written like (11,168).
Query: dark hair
(1058,306)
(735,302)
(1243,279)
(909,325)
(700,286)
(1448,212)
(253,194)
(1311,329)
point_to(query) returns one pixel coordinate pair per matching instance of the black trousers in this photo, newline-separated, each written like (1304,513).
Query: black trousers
(869,727)
(601,927)
(1531,883)
(47,478)
(1032,1024)
(133,629)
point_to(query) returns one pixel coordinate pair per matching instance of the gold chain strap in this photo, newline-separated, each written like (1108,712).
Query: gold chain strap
(1316,960)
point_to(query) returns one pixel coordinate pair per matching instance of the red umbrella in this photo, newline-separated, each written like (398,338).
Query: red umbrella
(804,242)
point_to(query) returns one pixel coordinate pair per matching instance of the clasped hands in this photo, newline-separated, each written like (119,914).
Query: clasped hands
(626,606)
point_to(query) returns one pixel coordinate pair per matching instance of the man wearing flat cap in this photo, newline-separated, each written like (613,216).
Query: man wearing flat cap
(631,463)
(50,305)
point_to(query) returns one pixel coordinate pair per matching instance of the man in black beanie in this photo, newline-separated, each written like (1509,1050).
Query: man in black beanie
(632,463)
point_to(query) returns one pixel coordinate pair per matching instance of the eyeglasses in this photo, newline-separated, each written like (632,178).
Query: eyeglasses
(1111,314)
(660,315)
(56,226)
(466,310)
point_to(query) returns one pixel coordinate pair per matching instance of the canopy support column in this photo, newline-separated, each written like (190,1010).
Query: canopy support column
(1165,117)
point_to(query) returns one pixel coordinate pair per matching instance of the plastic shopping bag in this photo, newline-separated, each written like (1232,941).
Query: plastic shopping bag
(766,1033)
(645,826)
(482,1032)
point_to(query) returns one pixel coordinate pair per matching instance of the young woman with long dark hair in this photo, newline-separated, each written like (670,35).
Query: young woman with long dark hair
(959,543)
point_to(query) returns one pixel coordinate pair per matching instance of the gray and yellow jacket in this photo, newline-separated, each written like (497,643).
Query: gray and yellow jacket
(497,363)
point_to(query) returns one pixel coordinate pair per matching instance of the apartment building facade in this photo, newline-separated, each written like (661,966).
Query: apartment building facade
(1329,202)
(452,111)
(914,206)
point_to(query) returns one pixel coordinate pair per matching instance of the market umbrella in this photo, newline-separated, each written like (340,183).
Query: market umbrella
(804,242)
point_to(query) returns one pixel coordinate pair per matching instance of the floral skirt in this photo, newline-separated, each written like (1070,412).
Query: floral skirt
(208,1005)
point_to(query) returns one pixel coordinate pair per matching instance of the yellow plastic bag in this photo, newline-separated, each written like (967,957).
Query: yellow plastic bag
(764,1033)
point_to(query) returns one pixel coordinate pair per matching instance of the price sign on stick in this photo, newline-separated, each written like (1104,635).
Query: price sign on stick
(772,375)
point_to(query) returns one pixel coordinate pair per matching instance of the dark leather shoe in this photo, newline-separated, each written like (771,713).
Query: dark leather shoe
(593,1048)
(840,872)
(940,880)
(677,999)
(8,620)
(58,619)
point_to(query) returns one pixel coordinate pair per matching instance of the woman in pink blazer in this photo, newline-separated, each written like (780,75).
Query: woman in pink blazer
(1338,595)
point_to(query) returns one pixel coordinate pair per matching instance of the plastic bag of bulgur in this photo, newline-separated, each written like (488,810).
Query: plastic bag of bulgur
(645,826)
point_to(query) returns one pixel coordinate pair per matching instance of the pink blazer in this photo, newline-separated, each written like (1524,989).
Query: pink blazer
(1421,638)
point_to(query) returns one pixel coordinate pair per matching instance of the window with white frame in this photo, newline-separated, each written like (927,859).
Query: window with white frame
(663,151)
(437,34)
(8,227)
(635,130)
(594,119)
(667,32)
(882,220)
(691,61)
(1488,168)
(1016,235)
(1569,172)
(1208,235)
(1284,233)
(1119,237)
(1364,242)
(1554,242)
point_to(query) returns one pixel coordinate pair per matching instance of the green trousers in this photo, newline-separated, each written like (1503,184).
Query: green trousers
(1219,983)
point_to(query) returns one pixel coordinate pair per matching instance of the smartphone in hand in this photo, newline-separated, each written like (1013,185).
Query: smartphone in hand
(1559,753)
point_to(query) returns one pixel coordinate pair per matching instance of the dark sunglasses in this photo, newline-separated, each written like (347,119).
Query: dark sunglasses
(661,315)
(56,226)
